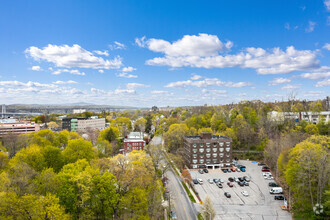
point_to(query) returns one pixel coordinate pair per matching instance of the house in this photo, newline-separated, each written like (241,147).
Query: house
(134,141)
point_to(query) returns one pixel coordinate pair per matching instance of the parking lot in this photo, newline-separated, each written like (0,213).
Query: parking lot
(260,204)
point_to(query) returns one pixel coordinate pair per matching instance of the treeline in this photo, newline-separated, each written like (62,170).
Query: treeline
(47,175)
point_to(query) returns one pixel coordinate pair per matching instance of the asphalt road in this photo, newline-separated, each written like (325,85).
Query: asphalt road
(183,207)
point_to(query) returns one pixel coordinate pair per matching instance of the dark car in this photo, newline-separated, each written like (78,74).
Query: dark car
(228,170)
(195,181)
(247,179)
(233,169)
(201,171)
(230,184)
(246,183)
(227,194)
(265,167)
(273,184)
(219,185)
(224,170)
(231,179)
(242,169)
(240,183)
(279,197)
(261,164)
(205,170)
(215,180)
(241,179)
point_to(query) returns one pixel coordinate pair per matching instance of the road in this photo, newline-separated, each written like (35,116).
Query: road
(179,199)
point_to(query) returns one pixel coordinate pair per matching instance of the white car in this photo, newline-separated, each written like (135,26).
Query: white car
(200,181)
(221,181)
(245,193)
(238,170)
(210,181)
(266,173)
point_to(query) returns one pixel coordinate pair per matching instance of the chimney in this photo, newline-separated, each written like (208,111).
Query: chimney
(206,135)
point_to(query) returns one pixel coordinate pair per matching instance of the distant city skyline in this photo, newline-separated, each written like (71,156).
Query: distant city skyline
(163,53)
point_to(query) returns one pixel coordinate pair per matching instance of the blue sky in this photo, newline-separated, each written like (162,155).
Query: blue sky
(164,53)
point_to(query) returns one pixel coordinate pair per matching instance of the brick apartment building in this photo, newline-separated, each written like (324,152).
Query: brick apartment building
(134,141)
(207,150)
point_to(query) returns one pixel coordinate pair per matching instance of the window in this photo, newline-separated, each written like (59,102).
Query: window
(228,154)
(227,149)
(194,166)
(201,161)
(221,154)
(221,159)
(194,161)
(208,155)
(215,150)
(208,150)
(201,155)
(194,145)
(221,144)
(201,150)
(195,150)
(208,160)
(221,149)
(201,145)
(215,160)
(215,144)
(215,155)
(208,144)
(227,160)
(194,156)
(228,143)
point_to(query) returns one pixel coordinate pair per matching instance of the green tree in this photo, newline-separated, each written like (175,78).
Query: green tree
(53,158)
(174,137)
(78,149)
(140,125)
(207,210)
(311,129)
(32,156)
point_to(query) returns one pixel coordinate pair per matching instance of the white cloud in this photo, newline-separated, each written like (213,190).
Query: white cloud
(206,82)
(65,82)
(206,91)
(313,93)
(69,57)
(128,69)
(126,75)
(277,81)
(136,85)
(327,4)
(98,91)
(327,45)
(323,83)
(102,53)
(195,77)
(189,45)
(316,75)
(141,42)
(29,84)
(203,52)
(311,27)
(124,91)
(74,72)
(290,87)
(161,92)
(101,71)
(287,26)
(36,68)
(117,46)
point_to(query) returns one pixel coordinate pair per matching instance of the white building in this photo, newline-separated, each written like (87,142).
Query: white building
(84,124)
(312,117)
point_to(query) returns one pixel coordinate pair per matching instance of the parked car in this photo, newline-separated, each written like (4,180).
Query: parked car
(261,164)
(247,179)
(265,167)
(241,183)
(205,170)
(245,193)
(265,170)
(245,183)
(210,181)
(276,190)
(269,177)
(201,171)
(219,185)
(195,181)
(227,194)
(231,179)
(173,215)
(215,180)
(266,173)
(236,179)
(273,184)
(200,181)
(279,197)
(233,169)
(241,179)
(243,169)
(228,170)
(238,170)
(221,180)
(224,170)
(230,184)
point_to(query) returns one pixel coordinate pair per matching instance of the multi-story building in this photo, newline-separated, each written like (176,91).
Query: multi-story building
(134,141)
(207,150)
(18,128)
(313,117)
(83,124)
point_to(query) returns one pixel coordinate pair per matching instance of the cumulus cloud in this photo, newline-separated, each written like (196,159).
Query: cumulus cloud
(203,51)
(124,91)
(65,82)
(206,82)
(277,81)
(126,75)
(311,26)
(313,93)
(161,92)
(195,77)
(72,56)
(323,83)
(136,85)
(290,87)
(102,53)
(36,68)
(74,72)
(327,45)
(141,42)
(327,4)
(128,69)
(117,46)
(316,75)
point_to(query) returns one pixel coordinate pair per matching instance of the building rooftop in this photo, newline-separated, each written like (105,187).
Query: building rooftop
(213,137)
